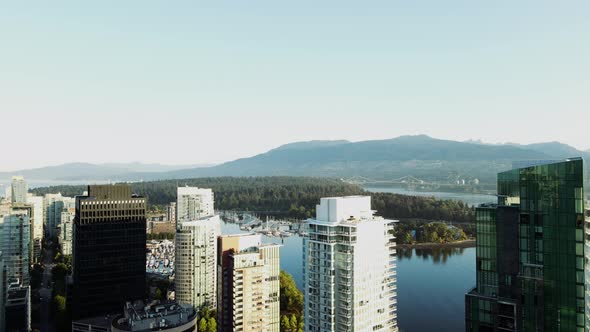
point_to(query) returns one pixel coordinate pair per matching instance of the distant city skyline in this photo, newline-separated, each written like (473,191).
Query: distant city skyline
(195,83)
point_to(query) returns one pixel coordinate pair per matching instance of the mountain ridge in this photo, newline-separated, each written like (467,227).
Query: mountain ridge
(420,156)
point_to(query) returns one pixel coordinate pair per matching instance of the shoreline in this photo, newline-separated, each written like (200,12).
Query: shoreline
(428,245)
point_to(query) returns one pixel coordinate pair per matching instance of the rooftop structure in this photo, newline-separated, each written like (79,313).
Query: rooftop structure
(169,316)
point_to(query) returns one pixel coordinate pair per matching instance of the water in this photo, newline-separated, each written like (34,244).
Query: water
(431,287)
(471,199)
(431,283)
(291,252)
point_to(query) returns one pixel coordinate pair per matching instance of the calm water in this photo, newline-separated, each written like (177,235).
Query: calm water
(429,281)
(471,199)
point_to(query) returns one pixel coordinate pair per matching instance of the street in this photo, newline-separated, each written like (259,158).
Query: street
(45,292)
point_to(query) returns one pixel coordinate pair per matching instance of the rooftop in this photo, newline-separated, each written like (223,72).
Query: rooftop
(154,316)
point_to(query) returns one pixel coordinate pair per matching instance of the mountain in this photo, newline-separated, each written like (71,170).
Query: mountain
(420,156)
(435,161)
(556,149)
(87,171)
(310,145)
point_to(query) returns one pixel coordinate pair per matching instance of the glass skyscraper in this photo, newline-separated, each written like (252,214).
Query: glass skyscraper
(532,252)
(109,240)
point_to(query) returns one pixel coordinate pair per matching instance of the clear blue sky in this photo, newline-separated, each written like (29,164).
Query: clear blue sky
(193,81)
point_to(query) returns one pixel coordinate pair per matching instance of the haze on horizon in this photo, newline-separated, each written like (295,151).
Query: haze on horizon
(201,83)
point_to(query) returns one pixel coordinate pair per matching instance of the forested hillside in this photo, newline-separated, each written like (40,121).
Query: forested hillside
(294,197)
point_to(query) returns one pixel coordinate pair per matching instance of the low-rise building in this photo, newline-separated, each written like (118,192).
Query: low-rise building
(157,227)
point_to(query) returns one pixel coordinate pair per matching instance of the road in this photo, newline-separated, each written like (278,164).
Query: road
(45,292)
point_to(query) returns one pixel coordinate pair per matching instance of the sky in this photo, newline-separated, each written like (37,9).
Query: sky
(189,82)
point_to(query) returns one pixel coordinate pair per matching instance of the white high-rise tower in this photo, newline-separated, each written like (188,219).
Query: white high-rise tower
(349,268)
(197,229)
(19,190)
(193,203)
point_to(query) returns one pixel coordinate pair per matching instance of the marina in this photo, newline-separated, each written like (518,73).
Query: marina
(269,226)
(160,257)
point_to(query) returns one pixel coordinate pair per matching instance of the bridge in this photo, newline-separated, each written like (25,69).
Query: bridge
(404,180)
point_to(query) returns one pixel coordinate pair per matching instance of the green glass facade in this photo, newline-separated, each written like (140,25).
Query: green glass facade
(531,252)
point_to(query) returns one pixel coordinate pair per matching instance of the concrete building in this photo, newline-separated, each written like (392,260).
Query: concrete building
(349,268)
(193,203)
(248,288)
(196,261)
(65,231)
(157,227)
(533,252)
(164,317)
(55,204)
(18,190)
(38,219)
(15,241)
(109,243)
(171,212)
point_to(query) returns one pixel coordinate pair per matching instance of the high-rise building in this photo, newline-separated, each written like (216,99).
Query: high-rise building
(171,212)
(55,204)
(65,231)
(533,250)
(2,293)
(19,190)
(109,242)
(38,218)
(15,240)
(196,261)
(249,298)
(26,210)
(193,203)
(349,268)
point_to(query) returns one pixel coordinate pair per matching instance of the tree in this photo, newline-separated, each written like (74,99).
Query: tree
(59,271)
(408,238)
(158,294)
(293,322)
(285,323)
(212,325)
(461,235)
(60,303)
(202,324)
(290,296)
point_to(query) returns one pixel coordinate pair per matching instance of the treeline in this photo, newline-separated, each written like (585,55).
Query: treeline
(291,304)
(432,232)
(417,207)
(291,197)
